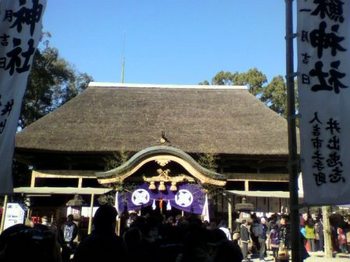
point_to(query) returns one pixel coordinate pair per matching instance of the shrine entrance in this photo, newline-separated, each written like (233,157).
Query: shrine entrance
(162,179)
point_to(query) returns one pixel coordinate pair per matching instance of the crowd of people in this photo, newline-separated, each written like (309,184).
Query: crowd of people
(311,227)
(153,238)
(146,238)
(260,234)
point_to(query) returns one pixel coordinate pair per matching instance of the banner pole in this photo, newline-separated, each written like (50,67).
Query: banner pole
(292,142)
(4,209)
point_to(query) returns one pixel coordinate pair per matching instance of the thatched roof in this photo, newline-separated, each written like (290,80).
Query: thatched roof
(123,117)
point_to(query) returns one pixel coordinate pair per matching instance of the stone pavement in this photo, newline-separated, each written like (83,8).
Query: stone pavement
(315,257)
(319,256)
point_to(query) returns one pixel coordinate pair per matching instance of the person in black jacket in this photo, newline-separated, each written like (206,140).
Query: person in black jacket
(245,238)
(284,233)
(23,243)
(102,244)
(68,232)
(222,249)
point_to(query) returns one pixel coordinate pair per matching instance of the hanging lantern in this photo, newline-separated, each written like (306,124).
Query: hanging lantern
(161,186)
(173,186)
(168,206)
(152,186)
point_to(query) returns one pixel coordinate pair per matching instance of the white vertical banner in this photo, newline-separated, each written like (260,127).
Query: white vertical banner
(20,33)
(324,99)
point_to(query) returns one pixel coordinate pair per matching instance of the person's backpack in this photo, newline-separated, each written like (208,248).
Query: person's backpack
(274,237)
(68,232)
(257,230)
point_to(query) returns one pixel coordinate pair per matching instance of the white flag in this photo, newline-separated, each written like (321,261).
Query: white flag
(20,33)
(205,211)
(324,95)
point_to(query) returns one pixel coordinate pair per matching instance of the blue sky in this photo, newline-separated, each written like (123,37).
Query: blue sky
(168,41)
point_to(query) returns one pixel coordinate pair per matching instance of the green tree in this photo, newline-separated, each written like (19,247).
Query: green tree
(116,159)
(273,94)
(209,161)
(51,83)
(224,78)
(253,79)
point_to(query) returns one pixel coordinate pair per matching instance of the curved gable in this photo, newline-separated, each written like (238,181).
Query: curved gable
(162,155)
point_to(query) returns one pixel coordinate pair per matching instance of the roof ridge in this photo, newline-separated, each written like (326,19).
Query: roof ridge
(175,86)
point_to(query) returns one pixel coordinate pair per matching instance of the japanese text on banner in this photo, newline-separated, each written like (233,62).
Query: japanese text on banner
(20,33)
(324,89)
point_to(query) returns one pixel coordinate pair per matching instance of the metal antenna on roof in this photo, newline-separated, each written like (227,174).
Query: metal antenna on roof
(123,59)
(123,70)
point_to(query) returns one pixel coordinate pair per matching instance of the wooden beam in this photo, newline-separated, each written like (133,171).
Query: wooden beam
(61,190)
(64,173)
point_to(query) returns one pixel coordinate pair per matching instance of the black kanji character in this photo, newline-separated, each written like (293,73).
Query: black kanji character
(317,142)
(319,38)
(333,126)
(333,143)
(305,79)
(4,39)
(27,55)
(14,56)
(322,40)
(336,175)
(2,126)
(7,108)
(305,10)
(28,16)
(306,58)
(320,178)
(315,119)
(334,40)
(304,36)
(318,164)
(8,15)
(316,130)
(317,71)
(332,8)
(334,160)
(335,76)
(2,62)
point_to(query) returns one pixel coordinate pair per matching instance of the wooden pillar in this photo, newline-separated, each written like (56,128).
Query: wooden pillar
(91,212)
(327,231)
(118,225)
(32,180)
(246,185)
(29,213)
(229,212)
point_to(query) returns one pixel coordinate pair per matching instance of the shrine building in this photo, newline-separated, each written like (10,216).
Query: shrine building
(165,147)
